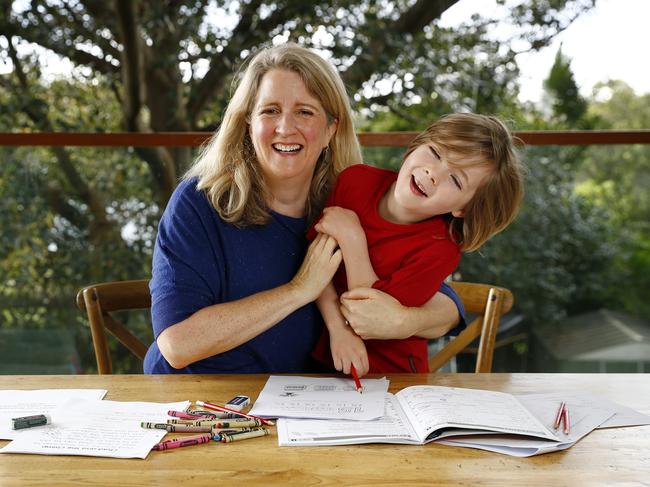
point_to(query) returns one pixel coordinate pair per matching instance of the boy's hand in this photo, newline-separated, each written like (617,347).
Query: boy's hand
(347,348)
(342,224)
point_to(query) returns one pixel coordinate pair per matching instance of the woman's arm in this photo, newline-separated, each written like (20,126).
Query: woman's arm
(374,314)
(196,337)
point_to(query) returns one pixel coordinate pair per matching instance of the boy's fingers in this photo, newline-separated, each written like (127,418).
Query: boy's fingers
(337,363)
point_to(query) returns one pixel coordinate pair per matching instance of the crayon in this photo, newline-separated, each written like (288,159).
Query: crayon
(244,436)
(180,442)
(234,423)
(185,428)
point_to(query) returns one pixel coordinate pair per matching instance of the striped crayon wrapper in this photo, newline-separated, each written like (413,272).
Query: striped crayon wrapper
(222,409)
(255,433)
(177,428)
(154,426)
(246,423)
(188,428)
(180,442)
(227,431)
(205,414)
(184,415)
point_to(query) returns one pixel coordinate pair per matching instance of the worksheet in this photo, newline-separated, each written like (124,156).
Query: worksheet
(420,414)
(522,425)
(98,429)
(18,403)
(320,398)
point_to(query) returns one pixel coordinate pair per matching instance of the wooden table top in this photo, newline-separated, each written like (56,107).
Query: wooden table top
(613,456)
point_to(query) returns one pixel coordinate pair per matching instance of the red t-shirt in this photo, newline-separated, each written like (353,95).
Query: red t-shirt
(410,260)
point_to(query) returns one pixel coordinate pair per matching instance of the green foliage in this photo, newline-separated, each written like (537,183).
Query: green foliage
(569,107)
(557,256)
(617,178)
(72,216)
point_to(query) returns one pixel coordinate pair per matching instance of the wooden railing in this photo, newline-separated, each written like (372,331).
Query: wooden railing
(374,139)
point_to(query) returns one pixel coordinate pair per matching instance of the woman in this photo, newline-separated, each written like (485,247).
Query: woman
(230,289)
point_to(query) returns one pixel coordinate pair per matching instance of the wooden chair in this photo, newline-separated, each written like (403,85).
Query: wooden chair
(489,303)
(99,300)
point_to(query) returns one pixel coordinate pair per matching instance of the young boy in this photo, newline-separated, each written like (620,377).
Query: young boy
(402,233)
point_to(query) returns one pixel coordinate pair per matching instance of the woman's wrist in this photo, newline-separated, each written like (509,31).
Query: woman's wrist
(298,293)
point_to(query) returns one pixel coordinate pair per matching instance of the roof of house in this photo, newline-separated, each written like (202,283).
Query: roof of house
(602,335)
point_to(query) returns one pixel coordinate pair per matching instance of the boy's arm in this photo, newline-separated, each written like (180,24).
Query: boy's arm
(344,226)
(328,305)
(346,346)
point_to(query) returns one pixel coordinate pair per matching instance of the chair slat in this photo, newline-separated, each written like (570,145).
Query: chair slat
(98,301)
(490,303)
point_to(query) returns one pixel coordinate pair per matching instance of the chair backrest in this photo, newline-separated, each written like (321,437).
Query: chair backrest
(99,300)
(489,303)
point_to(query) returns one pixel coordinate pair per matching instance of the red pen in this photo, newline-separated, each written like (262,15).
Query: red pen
(357,382)
(216,407)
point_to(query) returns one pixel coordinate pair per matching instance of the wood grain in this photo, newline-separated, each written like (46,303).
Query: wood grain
(615,456)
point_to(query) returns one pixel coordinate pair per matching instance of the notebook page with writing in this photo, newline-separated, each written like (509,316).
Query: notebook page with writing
(435,409)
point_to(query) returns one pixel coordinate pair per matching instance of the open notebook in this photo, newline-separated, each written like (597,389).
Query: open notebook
(419,414)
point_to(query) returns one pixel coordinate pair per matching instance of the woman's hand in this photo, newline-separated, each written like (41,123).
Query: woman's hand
(347,348)
(373,314)
(317,269)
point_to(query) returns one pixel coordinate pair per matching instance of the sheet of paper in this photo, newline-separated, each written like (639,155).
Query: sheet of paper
(320,398)
(98,429)
(393,427)
(586,413)
(14,404)
(624,416)
(432,408)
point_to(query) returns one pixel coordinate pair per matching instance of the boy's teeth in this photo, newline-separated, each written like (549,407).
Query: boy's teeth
(419,186)
(287,148)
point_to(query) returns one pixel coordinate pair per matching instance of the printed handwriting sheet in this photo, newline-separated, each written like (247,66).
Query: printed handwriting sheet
(430,408)
(320,398)
(97,428)
(393,427)
(14,404)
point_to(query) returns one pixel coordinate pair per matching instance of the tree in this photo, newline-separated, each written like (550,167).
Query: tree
(167,66)
(563,241)
(169,63)
(617,178)
(569,107)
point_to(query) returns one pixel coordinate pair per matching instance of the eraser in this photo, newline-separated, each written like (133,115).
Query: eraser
(238,403)
(30,421)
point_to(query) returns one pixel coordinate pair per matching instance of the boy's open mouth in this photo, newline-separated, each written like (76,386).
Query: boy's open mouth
(417,188)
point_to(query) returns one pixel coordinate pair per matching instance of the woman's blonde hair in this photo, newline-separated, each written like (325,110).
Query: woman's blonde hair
(227,167)
(469,139)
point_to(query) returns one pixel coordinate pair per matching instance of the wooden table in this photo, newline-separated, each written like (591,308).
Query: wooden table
(604,457)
